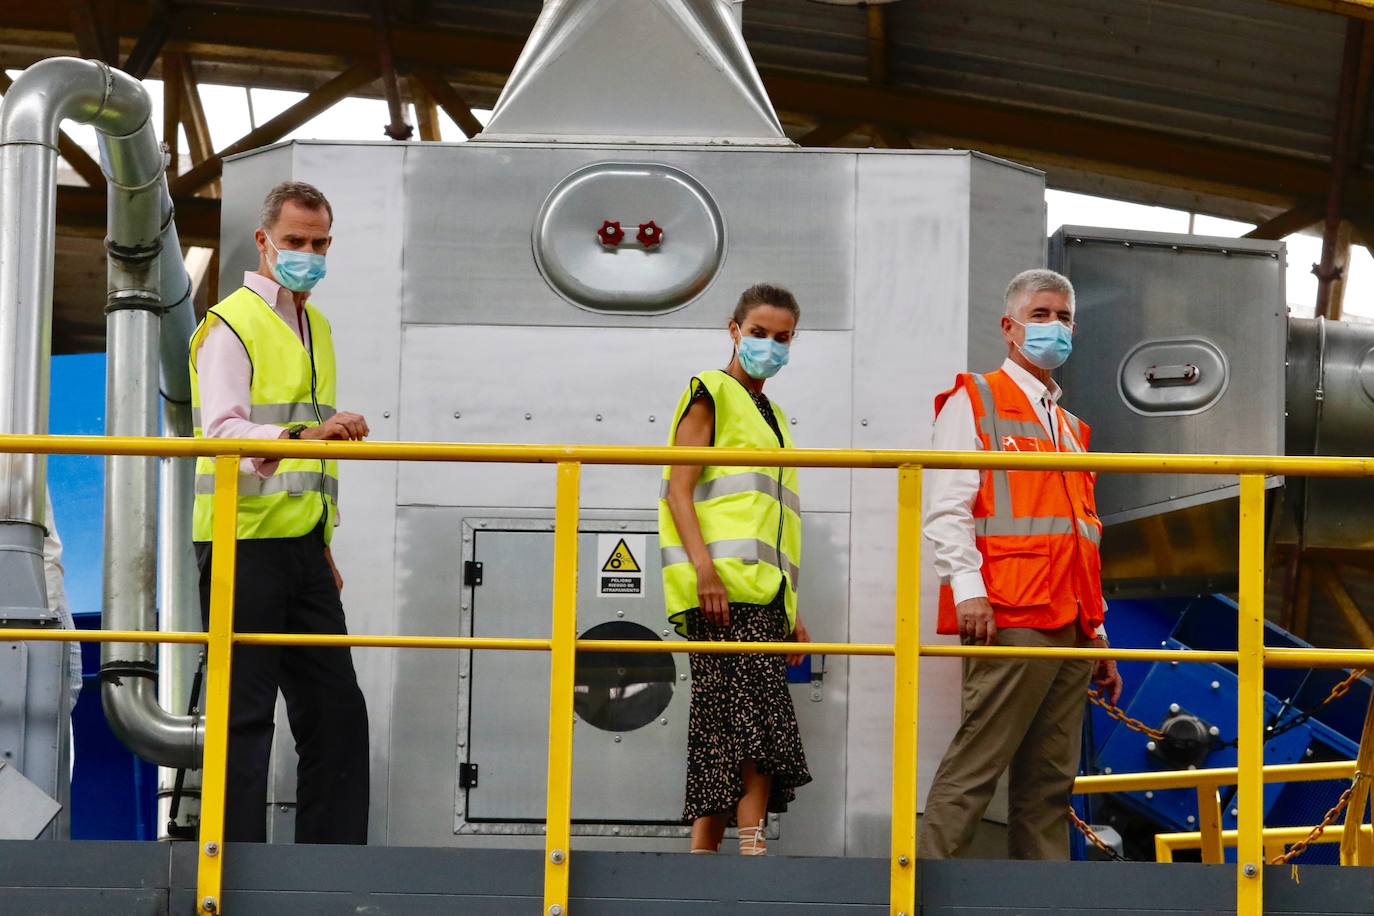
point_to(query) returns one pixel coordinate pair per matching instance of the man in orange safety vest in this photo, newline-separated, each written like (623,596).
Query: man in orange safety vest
(1017,556)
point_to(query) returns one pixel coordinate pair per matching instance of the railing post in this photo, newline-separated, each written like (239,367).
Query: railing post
(1209,823)
(563,656)
(219,656)
(1250,701)
(906,667)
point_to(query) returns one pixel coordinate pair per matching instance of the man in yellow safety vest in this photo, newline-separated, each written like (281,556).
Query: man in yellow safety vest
(262,366)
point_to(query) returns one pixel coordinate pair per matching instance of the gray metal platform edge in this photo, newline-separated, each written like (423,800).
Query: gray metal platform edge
(157,879)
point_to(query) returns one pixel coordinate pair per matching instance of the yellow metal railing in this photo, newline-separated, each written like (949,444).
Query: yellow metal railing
(1250,657)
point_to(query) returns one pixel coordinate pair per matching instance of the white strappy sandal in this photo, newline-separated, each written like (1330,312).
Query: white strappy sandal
(752,841)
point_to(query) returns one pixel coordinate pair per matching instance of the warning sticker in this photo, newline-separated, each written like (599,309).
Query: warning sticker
(618,556)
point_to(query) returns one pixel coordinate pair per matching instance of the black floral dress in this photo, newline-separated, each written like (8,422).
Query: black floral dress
(741,708)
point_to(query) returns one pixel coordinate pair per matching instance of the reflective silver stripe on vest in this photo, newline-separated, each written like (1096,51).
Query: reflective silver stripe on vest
(750,550)
(1090,532)
(1001,484)
(997,526)
(732,484)
(296,483)
(279,414)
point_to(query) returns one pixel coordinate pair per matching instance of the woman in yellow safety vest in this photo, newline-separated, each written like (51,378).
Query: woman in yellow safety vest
(730,539)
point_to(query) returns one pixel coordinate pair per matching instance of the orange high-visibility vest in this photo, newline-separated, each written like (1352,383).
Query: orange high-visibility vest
(1038,531)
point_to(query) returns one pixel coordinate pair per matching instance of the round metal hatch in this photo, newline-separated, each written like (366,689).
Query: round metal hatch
(1173,377)
(622,691)
(637,238)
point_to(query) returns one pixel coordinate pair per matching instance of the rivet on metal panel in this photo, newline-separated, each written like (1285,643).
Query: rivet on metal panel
(386,415)
(529,416)
(1150,745)
(615,830)
(1216,685)
(1250,870)
(481,524)
(1107,770)
(598,418)
(462,674)
(624,525)
(662,721)
(665,632)
(555,910)
(794,421)
(617,739)
(682,677)
(1149,793)
(651,418)
(462,743)
(863,422)
(210,905)
(620,613)
(1192,819)
(1173,708)
(457,415)
(1235,812)
(1214,731)
(903,861)
(284,808)
(556,857)
(212,849)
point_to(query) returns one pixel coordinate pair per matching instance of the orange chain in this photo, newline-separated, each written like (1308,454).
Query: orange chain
(1095,697)
(1301,846)
(1092,836)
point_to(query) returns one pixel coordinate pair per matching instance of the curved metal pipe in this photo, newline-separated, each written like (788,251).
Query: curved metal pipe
(140,338)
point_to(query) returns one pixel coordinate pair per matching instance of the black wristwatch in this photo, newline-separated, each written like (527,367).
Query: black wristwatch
(295,431)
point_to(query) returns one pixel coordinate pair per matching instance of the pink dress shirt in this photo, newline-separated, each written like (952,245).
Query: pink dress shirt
(225,372)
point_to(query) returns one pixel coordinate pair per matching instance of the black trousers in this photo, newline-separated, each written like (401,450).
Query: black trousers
(285,585)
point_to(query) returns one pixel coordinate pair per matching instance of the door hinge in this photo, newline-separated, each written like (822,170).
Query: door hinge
(472,573)
(467,775)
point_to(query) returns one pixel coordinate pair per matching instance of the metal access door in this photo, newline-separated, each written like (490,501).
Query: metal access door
(630,719)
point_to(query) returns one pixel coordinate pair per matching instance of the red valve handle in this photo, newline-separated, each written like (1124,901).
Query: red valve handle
(650,234)
(610,233)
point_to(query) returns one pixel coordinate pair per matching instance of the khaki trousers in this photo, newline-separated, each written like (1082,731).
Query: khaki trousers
(1022,714)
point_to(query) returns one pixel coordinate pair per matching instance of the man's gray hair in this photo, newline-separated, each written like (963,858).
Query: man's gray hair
(1030,282)
(307,195)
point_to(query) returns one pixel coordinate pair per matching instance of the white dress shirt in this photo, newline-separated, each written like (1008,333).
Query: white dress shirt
(949,494)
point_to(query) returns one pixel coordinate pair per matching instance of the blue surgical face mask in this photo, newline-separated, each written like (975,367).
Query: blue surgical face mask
(1047,345)
(762,357)
(298,271)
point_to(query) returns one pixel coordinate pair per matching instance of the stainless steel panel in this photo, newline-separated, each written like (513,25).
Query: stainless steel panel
(635,775)
(613,387)
(913,332)
(1331,412)
(470,209)
(28,809)
(1006,236)
(629,238)
(1152,299)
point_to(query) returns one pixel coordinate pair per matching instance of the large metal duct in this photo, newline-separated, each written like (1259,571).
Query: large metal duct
(636,71)
(149,310)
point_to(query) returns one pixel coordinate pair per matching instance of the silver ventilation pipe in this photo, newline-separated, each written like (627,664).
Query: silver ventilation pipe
(140,337)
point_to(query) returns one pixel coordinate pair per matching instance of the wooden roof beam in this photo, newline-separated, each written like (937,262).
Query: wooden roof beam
(450,101)
(298,114)
(97,36)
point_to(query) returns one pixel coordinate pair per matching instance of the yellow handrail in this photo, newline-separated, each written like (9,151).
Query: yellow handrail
(1250,656)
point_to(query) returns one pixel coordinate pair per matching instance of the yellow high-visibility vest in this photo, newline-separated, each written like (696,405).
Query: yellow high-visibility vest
(290,385)
(750,517)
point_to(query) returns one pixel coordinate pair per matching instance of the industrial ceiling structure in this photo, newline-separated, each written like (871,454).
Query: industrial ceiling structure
(1250,109)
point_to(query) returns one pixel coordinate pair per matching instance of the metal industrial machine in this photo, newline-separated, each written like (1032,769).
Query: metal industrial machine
(559,279)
